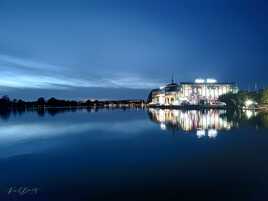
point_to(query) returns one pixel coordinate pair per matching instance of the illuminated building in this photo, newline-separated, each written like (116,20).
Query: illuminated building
(191,93)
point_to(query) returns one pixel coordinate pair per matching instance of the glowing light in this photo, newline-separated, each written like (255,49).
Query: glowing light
(200,133)
(199,80)
(163,126)
(249,114)
(249,102)
(162,100)
(212,133)
(210,80)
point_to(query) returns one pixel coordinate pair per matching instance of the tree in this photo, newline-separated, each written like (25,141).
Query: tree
(5,101)
(6,98)
(235,100)
(52,101)
(264,97)
(41,101)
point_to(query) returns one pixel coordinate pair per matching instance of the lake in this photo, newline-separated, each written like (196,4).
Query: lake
(133,154)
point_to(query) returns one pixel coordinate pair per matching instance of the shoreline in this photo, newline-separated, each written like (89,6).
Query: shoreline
(120,106)
(53,103)
(207,107)
(188,107)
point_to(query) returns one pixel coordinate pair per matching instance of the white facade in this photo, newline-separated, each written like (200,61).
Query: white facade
(192,93)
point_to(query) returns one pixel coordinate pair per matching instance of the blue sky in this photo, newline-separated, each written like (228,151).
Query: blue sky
(122,49)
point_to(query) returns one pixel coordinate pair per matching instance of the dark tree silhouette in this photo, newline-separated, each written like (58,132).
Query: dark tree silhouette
(41,101)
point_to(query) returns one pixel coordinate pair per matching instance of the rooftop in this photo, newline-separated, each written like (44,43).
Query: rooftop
(204,83)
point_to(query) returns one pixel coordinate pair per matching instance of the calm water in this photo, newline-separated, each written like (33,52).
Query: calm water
(134,155)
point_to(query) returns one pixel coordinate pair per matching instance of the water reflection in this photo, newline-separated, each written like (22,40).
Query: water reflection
(93,148)
(207,122)
(6,113)
(202,122)
(250,113)
(31,132)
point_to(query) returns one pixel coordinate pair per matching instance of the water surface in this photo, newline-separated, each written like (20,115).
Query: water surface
(134,155)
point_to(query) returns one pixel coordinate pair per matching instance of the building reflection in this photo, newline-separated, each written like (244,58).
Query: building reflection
(201,122)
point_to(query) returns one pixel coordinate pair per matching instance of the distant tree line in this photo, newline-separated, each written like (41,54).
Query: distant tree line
(7,103)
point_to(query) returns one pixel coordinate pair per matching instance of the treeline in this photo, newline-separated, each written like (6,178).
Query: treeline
(238,100)
(6,102)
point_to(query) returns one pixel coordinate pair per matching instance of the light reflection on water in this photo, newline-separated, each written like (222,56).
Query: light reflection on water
(203,122)
(250,113)
(207,122)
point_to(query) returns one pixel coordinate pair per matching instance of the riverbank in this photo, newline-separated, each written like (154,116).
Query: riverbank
(6,103)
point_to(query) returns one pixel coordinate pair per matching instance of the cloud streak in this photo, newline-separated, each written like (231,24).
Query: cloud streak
(25,73)
(26,63)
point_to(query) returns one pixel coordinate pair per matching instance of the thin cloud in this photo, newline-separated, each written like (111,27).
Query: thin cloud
(27,63)
(25,73)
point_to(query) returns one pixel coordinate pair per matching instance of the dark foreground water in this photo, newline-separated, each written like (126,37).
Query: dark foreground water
(133,155)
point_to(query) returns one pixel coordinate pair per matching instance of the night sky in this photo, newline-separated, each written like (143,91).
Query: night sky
(121,49)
